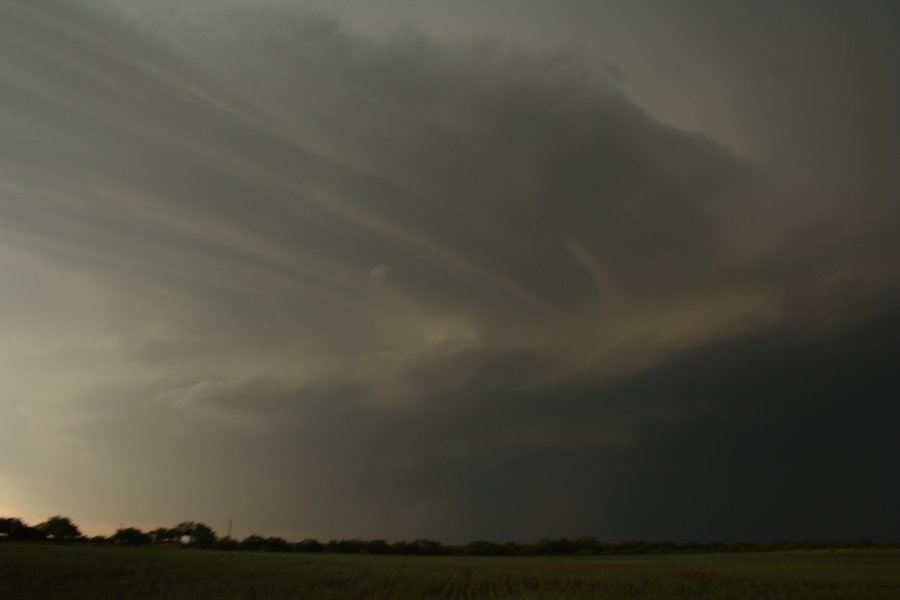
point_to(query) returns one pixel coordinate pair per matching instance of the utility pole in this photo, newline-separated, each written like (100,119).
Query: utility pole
(229,527)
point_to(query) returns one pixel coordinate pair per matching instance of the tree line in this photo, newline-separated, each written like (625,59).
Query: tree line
(193,534)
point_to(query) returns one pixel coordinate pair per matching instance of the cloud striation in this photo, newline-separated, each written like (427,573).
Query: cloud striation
(259,265)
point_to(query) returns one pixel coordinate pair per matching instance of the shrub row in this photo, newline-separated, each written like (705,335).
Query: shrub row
(199,535)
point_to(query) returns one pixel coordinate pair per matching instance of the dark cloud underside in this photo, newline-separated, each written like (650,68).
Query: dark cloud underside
(265,267)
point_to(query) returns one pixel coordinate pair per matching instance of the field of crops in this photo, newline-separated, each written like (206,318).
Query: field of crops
(49,572)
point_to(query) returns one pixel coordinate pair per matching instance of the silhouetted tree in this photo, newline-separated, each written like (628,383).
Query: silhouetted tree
(10,525)
(277,544)
(483,548)
(358,546)
(228,543)
(130,536)
(375,547)
(60,528)
(419,547)
(309,545)
(267,544)
(587,545)
(253,542)
(14,529)
(162,535)
(194,534)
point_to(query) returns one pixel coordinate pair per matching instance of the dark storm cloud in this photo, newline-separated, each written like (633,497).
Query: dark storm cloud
(331,284)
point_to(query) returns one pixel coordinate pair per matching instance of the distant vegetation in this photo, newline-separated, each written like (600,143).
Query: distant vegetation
(194,534)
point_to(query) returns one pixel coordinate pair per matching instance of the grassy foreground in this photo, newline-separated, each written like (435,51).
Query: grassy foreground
(49,572)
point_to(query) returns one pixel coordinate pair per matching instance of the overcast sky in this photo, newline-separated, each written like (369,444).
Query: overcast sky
(497,269)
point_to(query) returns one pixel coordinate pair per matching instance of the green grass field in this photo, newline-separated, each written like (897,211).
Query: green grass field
(48,572)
